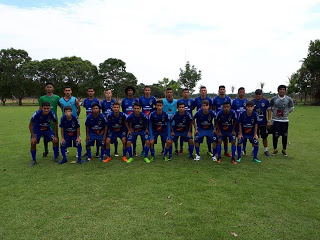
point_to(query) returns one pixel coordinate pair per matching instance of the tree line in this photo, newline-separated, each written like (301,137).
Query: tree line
(22,77)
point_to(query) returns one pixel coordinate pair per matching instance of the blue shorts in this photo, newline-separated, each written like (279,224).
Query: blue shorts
(114,135)
(48,135)
(95,138)
(70,142)
(183,135)
(227,135)
(211,136)
(163,136)
(133,136)
(251,139)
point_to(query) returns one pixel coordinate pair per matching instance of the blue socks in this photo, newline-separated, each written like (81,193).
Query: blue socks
(33,154)
(108,152)
(124,152)
(146,151)
(219,150)
(129,149)
(152,152)
(191,150)
(89,152)
(56,152)
(198,151)
(255,151)
(233,150)
(79,152)
(239,151)
(63,152)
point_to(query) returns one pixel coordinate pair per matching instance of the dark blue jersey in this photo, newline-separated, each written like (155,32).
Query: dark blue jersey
(69,126)
(96,124)
(218,102)
(127,105)
(260,107)
(106,106)
(181,122)
(239,105)
(248,123)
(41,122)
(138,124)
(226,121)
(189,104)
(87,104)
(116,124)
(204,121)
(148,104)
(158,123)
(198,101)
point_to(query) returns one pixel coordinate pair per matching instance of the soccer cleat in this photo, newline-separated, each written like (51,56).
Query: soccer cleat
(56,159)
(33,163)
(130,160)
(63,161)
(152,159)
(284,153)
(275,151)
(181,151)
(176,152)
(256,160)
(97,155)
(107,159)
(244,153)
(162,152)
(169,158)
(227,154)
(124,158)
(146,160)
(210,154)
(266,153)
(67,151)
(135,154)
(233,161)
(191,157)
(214,158)
(165,158)
(197,158)
(45,154)
(219,160)
(88,160)
(116,154)
(238,160)
(79,161)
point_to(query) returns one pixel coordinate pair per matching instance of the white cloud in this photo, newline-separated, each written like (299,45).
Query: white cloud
(238,43)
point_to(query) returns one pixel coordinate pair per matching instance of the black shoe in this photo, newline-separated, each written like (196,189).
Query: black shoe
(176,152)
(162,152)
(266,153)
(45,154)
(85,155)
(97,155)
(33,163)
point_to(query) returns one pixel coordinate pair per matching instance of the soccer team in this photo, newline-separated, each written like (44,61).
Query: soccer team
(219,120)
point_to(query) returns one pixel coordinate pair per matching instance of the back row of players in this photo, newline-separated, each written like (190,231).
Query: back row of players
(218,119)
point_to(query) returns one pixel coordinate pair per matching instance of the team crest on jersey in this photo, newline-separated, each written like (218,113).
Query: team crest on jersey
(262,104)
(252,120)
(162,119)
(184,120)
(229,119)
(150,102)
(209,119)
(141,121)
(73,124)
(99,122)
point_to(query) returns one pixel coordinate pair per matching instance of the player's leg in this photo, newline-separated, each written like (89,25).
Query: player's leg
(134,145)
(264,136)
(33,149)
(49,136)
(89,143)
(225,144)
(232,140)
(176,147)
(46,149)
(244,146)
(198,138)
(163,143)
(146,138)
(219,148)
(102,145)
(97,150)
(214,147)
(143,144)
(239,150)
(108,151)
(116,148)
(191,147)
(152,142)
(255,143)
(130,140)
(181,146)
(167,149)
(275,136)
(79,151)
(124,147)
(284,134)
(209,146)
(63,147)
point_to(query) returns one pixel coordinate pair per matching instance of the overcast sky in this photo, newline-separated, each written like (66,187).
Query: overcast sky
(240,43)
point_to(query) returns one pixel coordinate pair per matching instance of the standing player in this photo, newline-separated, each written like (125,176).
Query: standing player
(281,105)
(248,129)
(158,126)
(69,100)
(262,108)
(70,134)
(138,125)
(117,128)
(96,130)
(54,102)
(182,127)
(225,128)
(217,106)
(203,125)
(40,126)
(189,104)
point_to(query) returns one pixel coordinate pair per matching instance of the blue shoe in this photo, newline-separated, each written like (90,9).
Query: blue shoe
(88,160)
(33,163)
(63,161)
(256,160)
(101,159)
(142,153)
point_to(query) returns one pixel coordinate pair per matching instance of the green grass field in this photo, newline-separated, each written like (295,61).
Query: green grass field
(181,199)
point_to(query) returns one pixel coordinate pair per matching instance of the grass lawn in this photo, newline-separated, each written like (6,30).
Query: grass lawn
(181,199)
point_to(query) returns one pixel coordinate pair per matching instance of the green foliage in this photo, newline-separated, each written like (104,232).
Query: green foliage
(189,77)
(175,85)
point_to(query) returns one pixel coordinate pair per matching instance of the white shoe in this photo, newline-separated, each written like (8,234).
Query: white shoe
(77,155)
(214,158)
(197,158)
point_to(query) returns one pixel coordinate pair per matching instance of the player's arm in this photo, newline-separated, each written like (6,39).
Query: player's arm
(290,106)
(78,135)
(269,115)
(256,131)
(105,132)
(190,129)
(240,130)
(218,132)
(87,133)
(33,137)
(194,125)
(234,127)
(78,107)
(172,132)
(62,134)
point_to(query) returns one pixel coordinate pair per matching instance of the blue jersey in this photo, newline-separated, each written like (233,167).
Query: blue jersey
(41,122)
(182,122)
(127,105)
(158,123)
(198,101)
(87,104)
(138,124)
(96,125)
(148,104)
(248,123)
(204,121)
(218,102)
(106,106)
(71,102)
(239,105)
(189,104)
(226,121)
(170,107)
(69,126)
(116,124)
(261,107)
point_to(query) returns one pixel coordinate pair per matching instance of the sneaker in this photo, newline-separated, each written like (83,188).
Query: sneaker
(227,154)
(169,158)
(275,151)
(67,152)
(210,154)
(56,159)
(135,154)
(130,160)
(77,155)
(152,159)
(197,158)
(116,154)
(146,160)
(181,151)
(266,153)
(244,153)
(33,163)
(238,160)
(97,155)
(176,152)
(256,160)
(45,154)
(107,159)
(284,153)
(124,158)
(214,158)
(142,153)
(162,152)
(88,160)
(63,161)
(85,155)
(191,157)
(233,161)
(219,160)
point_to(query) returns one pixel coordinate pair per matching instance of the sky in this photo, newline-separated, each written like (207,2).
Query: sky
(234,43)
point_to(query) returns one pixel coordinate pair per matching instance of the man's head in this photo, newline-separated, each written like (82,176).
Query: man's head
(95,108)
(45,106)
(116,107)
(90,92)
(282,90)
(67,91)
(226,107)
(181,107)
(136,108)
(203,91)
(241,92)
(185,93)
(222,90)
(147,91)
(68,111)
(130,91)
(249,107)
(159,105)
(108,93)
(49,87)
(169,93)
(259,95)
(205,105)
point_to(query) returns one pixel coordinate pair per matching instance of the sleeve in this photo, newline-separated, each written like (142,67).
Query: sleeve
(54,116)
(78,123)
(267,104)
(290,105)
(40,101)
(87,121)
(61,125)
(150,126)
(34,117)
(122,106)
(84,103)
(272,102)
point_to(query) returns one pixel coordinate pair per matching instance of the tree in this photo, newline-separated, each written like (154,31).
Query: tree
(189,77)
(175,85)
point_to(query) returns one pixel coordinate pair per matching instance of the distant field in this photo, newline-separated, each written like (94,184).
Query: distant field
(181,199)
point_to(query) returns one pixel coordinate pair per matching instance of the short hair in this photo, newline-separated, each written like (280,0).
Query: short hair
(181,103)
(45,104)
(250,103)
(49,83)
(129,88)
(168,89)
(205,102)
(95,105)
(107,89)
(159,101)
(241,88)
(202,87)
(67,87)
(90,88)
(116,103)
(226,103)
(146,86)
(222,86)
(137,104)
(282,86)
(185,89)
(67,108)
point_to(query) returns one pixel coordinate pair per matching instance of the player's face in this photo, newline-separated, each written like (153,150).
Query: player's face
(258,96)
(116,108)
(136,110)
(159,106)
(249,109)
(282,92)
(130,92)
(205,107)
(95,110)
(203,92)
(226,108)
(181,108)
(185,94)
(67,92)
(222,91)
(169,94)
(49,88)
(68,113)
(108,94)
(90,92)
(147,91)
(46,110)
(241,93)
